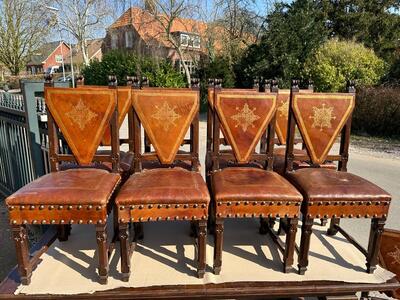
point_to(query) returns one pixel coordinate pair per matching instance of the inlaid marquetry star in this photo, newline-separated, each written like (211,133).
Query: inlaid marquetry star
(395,255)
(284,109)
(81,115)
(322,117)
(166,115)
(245,117)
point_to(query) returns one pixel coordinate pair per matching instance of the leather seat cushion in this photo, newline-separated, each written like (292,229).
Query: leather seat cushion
(319,184)
(158,186)
(125,163)
(279,161)
(74,186)
(252,184)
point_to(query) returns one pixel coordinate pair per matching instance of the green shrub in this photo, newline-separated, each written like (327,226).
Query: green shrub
(377,111)
(335,62)
(160,72)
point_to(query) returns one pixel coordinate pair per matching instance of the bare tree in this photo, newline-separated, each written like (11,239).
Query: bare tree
(82,19)
(22,30)
(166,13)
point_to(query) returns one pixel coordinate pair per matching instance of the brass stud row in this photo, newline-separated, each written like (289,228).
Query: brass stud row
(159,206)
(142,219)
(270,203)
(51,207)
(343,203)
(255,215)
(25,222)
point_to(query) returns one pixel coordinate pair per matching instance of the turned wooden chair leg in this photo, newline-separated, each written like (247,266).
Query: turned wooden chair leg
(288,257)
(324,221)
(218,240)
(115,224)
(332,230)
(22,249)
(306,231)
(101,237)
(202,244)
(375,238)
(63,232)
(125,250)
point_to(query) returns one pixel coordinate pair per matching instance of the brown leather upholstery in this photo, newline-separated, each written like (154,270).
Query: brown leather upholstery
(174,185)
(251,184)
(75,186)
(279,161)
(318,184)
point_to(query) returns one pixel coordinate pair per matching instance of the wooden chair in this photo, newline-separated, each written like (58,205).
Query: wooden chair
(74,196)
(243,192)
(124,105)
(333,194)
(164,193)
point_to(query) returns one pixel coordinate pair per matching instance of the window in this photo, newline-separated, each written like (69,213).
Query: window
(128,39)
(59,58)
(184,40)
(114,41)
(196,42)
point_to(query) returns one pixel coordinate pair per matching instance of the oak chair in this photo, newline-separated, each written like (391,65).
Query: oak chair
(162,193)
(333,194)
(243,191)
(74,196)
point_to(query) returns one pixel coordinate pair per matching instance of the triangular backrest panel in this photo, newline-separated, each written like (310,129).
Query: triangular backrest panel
(282,115)
(82,116)
(244,118)
(320,117)
(166,115)
(124,104)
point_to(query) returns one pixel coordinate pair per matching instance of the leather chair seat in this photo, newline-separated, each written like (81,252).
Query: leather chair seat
(74,186)
(164,186)
(252,184)
(319,184)
(279,161)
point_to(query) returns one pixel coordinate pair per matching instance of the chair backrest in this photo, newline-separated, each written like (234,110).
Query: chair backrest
(216,84)
(124,105)
(166,115)
(244,117)
(82,116)
(320,118)
(282,113)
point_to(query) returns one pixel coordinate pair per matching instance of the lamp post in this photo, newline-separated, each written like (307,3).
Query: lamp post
(55,11)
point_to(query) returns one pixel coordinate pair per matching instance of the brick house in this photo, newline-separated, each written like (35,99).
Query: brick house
(137,30)
(48,55)
(95,51)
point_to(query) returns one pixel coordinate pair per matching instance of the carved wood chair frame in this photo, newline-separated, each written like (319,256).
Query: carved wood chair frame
(276,209)
(377,212)
(82,214)
(198,224)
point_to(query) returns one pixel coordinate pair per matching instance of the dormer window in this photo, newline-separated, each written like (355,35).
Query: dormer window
(184,39)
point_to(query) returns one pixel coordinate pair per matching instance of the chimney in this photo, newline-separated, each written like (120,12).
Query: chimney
(150,6)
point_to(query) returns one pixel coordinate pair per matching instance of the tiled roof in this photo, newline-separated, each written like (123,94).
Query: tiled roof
(150,29)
